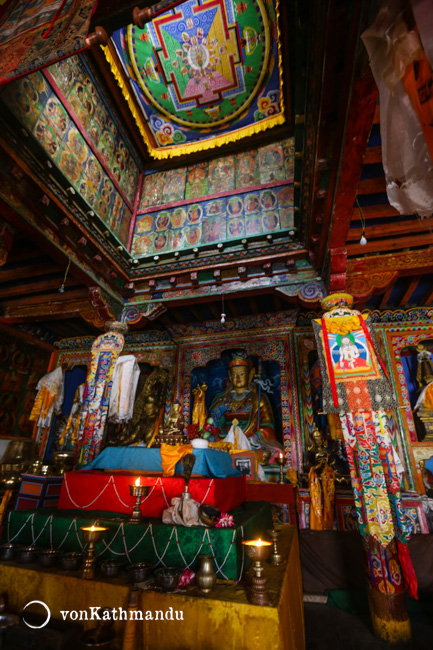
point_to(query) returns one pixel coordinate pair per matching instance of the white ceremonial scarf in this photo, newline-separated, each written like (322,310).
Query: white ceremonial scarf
(125,380)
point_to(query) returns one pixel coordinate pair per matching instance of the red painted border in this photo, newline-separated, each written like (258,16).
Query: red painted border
(48,76)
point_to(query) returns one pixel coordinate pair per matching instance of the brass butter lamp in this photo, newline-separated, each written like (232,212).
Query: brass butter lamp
(91,535)
(138,491)
(259,552)
(275,558)
(281,461)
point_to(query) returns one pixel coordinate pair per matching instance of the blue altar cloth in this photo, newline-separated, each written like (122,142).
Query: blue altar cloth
(208,462)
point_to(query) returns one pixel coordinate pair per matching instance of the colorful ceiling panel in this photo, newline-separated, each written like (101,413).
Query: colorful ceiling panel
(204,74)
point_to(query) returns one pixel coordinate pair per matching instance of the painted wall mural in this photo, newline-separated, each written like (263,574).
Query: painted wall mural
(21,367)
(208,65)
(204,215)
(108,188)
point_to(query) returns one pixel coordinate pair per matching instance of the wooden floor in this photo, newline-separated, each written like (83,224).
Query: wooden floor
(334,629)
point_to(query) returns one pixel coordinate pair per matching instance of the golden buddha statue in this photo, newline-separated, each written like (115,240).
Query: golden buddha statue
(321,482)
(424,406)
(241,402)
(147,414)
(173,432)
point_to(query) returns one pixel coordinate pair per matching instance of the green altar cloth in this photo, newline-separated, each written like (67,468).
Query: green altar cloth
(152,541)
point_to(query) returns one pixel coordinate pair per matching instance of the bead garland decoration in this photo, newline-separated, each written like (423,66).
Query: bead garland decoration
(127,505)
(121,529)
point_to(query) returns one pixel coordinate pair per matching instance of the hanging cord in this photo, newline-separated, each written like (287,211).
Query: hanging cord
(223,315)
(62,287)
(363,239)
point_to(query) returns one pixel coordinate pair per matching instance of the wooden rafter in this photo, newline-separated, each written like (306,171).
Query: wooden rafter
(409,291)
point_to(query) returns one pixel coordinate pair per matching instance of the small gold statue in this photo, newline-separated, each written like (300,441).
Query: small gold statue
(321,482)
(423,410)
(176,421)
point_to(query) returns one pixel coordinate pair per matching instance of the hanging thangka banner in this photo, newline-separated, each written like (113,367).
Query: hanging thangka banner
(356,387)
(105,352)
(354,376)
(36,33)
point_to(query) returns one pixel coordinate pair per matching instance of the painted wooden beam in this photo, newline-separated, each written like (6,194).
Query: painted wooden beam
(372,185)
(25,336)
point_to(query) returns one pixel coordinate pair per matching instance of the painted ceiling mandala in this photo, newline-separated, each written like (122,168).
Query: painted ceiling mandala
(203,69)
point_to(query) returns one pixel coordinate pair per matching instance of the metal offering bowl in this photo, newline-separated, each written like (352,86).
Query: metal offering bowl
(27,554)
(209,515)
(71,561)
(168,578)
(139,571)
(9,551)
(63,461)
(49,557)
(111,568)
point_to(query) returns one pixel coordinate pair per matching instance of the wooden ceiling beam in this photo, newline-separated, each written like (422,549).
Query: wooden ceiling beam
(390,230)
(233,308)
(372,186)
(60,309)
(253,305)
(214,310)
(409,291)
(384,246)
(379,211)
(48,298)
(427,297)
(35,287)
(196,313)
(373,155)
(31,271)
(386,296)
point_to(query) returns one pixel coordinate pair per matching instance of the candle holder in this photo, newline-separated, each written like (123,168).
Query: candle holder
(91,535)
(275,557)
(138,491)
(281,461)
(259,552)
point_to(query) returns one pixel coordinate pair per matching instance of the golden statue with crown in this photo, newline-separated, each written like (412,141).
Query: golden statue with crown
(244,402)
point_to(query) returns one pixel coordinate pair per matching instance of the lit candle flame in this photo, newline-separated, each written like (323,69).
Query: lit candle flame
(259,543)
(137,482)
(281,455)
(92,528)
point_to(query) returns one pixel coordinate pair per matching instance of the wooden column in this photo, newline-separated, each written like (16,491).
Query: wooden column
(385,591)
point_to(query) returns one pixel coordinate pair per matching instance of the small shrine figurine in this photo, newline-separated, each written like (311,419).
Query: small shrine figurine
(173,432)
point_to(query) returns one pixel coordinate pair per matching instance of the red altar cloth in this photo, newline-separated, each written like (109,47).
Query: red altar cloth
(87,490)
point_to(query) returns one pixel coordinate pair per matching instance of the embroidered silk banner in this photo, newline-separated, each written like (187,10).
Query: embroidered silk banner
(34,33)
(105,352)
(354,377)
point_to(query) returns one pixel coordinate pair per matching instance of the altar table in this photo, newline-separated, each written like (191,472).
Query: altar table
(222,619)
(208,462)
(96,490)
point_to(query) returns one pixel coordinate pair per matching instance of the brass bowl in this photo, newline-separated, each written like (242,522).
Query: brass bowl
(111,568)
(168,577)
(63,461)
(140,571)
(209,515)
(71,561)
(27,554)
(9,551)
(49,557)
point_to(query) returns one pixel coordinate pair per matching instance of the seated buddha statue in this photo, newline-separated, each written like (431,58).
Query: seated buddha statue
(173,431)
(241,402)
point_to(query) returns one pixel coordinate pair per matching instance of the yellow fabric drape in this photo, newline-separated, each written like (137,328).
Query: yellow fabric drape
(322,494)
(43,403)
(335,426)
(170,455)
(199,408)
